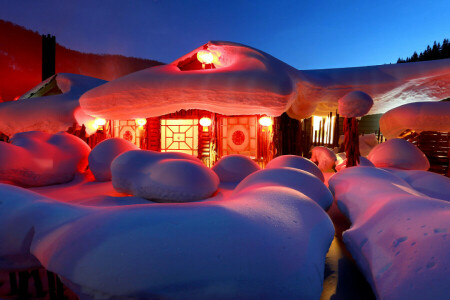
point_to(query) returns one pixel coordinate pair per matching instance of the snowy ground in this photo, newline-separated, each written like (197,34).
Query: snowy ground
(342,278)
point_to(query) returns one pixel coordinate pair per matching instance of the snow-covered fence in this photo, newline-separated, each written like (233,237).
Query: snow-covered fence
(436,146)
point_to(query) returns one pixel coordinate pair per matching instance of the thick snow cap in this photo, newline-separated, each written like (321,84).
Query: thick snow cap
(104,153)
(354,104)
(163,177)
(296,162)
(37,158)
(399,154)
(234,168)
(418,116)
(49,113)
(239,81)
(299,180)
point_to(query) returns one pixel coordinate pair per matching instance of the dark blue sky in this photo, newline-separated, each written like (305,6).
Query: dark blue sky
(305,34)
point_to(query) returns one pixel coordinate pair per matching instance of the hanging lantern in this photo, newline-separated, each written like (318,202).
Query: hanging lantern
(265,121)
(205,57)
(205,122)
(141,122)
(99,123)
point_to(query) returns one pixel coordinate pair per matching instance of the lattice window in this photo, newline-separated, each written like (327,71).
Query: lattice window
(179,135)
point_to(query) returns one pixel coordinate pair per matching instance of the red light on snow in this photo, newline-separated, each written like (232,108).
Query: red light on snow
(205,57)
(17,98)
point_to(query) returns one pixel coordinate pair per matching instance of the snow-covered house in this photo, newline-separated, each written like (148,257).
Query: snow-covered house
(224,98)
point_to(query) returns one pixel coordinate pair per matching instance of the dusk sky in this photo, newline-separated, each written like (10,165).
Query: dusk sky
(304,34)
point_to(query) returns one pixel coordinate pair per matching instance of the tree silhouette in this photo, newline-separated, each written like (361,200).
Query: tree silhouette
(438,51)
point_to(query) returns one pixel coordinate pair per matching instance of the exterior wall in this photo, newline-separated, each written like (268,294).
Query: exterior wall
(226,135)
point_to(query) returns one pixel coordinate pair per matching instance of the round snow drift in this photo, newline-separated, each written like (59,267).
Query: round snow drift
(299,180)
(36,158)
(324,157)
(400,154)
(163,177)
(354,104)
(363,162)
(234,168)
(104,153)
(296,162)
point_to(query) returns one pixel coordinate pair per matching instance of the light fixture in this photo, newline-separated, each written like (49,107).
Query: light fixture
(141,122)
(205,121)
(98,123)
(265,121)
(205,57)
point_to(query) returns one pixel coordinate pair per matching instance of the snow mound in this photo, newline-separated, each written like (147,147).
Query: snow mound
(49,113)
(324,157)
(299,180)
(418,116)
(267,242)
(428,183)
(104,153)
(37,158)
(399,154)
(355,104)
(363,162)
(398,237)
(163,177)
(366,143)
(296,162)
(234,168)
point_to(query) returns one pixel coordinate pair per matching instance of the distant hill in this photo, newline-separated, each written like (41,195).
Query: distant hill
(21,55)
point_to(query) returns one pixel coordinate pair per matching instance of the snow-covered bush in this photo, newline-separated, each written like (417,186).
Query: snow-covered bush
(296,179)
(399,154)
(234,168)
(104,153)
(324,157)
(163,177)
(37,158)
(296,162)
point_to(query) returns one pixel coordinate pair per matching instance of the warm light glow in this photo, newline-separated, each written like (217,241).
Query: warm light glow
(205,122)
(99,122)
(141,122)
(328,131)
(265,121)
(205,57)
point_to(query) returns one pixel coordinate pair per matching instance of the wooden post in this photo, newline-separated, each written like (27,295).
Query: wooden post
(351,141)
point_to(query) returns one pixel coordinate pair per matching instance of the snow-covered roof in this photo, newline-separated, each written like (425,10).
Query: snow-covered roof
(418,116)
(389,85)
(241,80)
(49,113)
(244,81)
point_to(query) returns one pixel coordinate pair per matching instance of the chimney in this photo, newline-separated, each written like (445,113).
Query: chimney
(48,56)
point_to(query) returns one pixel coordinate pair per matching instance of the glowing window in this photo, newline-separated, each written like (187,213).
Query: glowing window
(179,135)
(328,129)
(238,136)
